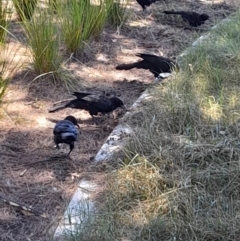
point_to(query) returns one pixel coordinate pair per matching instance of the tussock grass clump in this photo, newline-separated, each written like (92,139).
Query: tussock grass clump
(94,19)
(43,39)
(4,80)
(72,24)
(54,5)
(180,175)
(8,66)
(81,21)
(25,8)
(118,12)
(3,20)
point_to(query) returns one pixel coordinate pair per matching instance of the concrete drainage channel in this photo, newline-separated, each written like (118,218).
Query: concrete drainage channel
(81,205)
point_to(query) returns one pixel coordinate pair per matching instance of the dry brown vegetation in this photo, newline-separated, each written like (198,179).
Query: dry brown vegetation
(26,126)
(178,177)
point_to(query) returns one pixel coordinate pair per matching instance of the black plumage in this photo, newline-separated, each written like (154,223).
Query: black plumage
(153,63)
(193,18)
(66,132)
(146,3)
(93,103)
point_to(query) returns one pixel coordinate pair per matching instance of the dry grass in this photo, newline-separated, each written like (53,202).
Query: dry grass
(26,131)
(178,178)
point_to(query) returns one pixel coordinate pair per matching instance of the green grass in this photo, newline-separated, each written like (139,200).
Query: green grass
(178,177)
(94,20)
(118,12)
(44,42)
(72,24)
(3,20)
(25,8)
(54,5)
(8,67)
(81,21)
(3,80)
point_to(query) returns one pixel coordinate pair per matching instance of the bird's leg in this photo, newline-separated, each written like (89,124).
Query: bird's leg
(93,119)
(71,148)
(68,155)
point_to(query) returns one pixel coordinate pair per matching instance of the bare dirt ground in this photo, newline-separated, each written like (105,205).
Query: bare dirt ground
(28,174)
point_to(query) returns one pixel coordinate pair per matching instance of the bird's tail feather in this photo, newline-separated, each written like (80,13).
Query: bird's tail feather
(126,66)
(171,12)
(81,95)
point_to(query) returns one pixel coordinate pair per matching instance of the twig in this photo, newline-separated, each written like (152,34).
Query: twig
(10,119)
(7,154)
(22,173)
(46,160)
(13,147)
(29,209)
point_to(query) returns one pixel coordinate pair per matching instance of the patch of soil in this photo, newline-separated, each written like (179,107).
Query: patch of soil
(32,171)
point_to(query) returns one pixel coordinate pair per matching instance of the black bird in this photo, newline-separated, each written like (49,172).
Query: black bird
(92,103)
(66,132)
(156,64)
(193,18)
(145,3)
